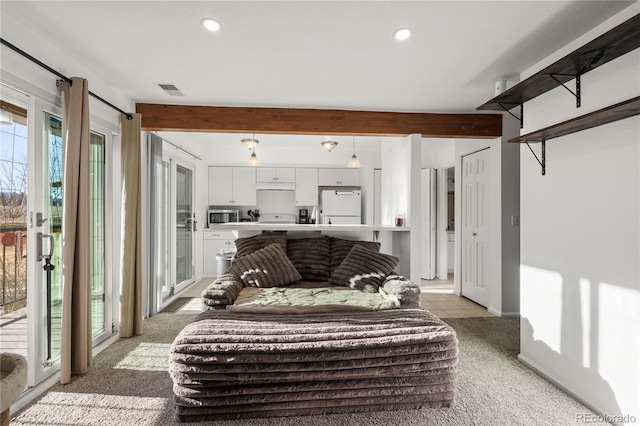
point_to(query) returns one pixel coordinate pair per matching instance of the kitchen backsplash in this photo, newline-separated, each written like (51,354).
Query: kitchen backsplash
(276,201)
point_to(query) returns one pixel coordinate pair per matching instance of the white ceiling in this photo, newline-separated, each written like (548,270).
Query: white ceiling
(311,54)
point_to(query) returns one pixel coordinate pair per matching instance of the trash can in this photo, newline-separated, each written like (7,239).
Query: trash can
(224,258)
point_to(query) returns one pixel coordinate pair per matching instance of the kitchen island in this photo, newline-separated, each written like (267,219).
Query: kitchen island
(242,229)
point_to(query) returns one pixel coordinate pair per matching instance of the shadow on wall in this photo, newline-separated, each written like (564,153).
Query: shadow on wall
(587,376)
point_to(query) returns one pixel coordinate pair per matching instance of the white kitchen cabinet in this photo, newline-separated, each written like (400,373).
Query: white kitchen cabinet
(213,242)
(232,186)
(244,186)
(220,182)
(339,177)
(306,186)
(276,174)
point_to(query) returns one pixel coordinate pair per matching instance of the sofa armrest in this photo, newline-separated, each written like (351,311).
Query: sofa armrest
(406,291)
(222,292)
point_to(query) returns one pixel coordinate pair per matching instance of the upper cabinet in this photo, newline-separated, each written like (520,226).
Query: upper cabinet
(339,177)
(232,186)
(306,186)
(276,174)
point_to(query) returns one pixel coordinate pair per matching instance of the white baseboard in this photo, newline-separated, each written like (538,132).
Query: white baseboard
(494,312)
(105,343)
(499,313)
(34,392)
(551,378)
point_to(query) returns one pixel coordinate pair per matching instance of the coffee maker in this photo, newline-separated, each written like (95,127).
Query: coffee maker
(303,216)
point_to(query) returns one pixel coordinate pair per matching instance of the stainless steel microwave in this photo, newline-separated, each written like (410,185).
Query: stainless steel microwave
(222,216)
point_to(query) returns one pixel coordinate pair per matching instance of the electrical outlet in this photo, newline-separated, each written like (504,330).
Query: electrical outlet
(515,220)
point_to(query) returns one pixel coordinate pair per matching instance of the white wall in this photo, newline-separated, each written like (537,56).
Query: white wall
(400,194)
(580,241)
(437,153)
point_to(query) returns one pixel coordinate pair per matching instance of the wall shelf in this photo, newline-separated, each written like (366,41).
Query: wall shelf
(612,113)
(618,41)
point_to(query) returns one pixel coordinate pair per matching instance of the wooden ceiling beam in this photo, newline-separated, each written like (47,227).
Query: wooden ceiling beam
(187,118)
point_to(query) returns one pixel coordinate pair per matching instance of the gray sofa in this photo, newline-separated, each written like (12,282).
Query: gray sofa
(311,326)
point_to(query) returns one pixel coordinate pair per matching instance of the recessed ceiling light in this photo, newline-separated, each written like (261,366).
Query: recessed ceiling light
(402,33)
(211,24)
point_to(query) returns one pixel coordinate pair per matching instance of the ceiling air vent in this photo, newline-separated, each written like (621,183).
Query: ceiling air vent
(170,89)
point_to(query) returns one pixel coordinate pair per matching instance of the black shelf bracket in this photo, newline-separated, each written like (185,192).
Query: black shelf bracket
(543,161)
(576,93)
(508,110)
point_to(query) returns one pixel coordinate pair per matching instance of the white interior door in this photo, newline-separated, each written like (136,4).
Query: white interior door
(428,224)
(474,229)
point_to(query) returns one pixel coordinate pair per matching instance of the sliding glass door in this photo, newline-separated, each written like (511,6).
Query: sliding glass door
(31,211)
(184,226)
(177,226)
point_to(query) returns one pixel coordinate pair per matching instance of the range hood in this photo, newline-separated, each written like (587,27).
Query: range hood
(276,186)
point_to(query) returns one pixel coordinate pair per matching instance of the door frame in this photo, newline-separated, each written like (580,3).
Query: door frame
(429,212)
(174,288)
(178,287)
(40,368)
(111,224)
(442,270)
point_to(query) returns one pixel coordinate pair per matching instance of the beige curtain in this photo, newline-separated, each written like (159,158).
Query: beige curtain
(131,314)
(76,294)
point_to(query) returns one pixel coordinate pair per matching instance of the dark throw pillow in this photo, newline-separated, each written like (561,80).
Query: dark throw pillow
(340,249)
(364,269)
(248,245)
(311,257)
(267,267)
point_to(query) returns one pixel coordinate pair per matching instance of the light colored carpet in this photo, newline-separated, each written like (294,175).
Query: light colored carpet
(128,384)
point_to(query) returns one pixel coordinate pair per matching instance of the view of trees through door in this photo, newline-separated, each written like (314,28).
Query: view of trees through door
(13,207)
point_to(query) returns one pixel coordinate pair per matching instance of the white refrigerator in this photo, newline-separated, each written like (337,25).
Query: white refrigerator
(341,206)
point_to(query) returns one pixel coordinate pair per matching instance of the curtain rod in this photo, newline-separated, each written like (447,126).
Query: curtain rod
(62,77)
(179,147)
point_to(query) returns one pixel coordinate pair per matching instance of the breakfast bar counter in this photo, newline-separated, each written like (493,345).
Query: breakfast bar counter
(247,229)
(260,226)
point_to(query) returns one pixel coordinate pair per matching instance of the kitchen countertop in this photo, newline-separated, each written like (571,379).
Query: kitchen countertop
(257,226)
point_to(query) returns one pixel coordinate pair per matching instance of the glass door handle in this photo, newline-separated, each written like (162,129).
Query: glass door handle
(40,238)
(39,220)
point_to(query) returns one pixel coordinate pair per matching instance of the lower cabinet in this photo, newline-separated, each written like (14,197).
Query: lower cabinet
(214,241)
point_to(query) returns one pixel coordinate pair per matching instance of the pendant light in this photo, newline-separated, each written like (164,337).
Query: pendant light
(251,144)
(253,159)
(354,162)
(329,145)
